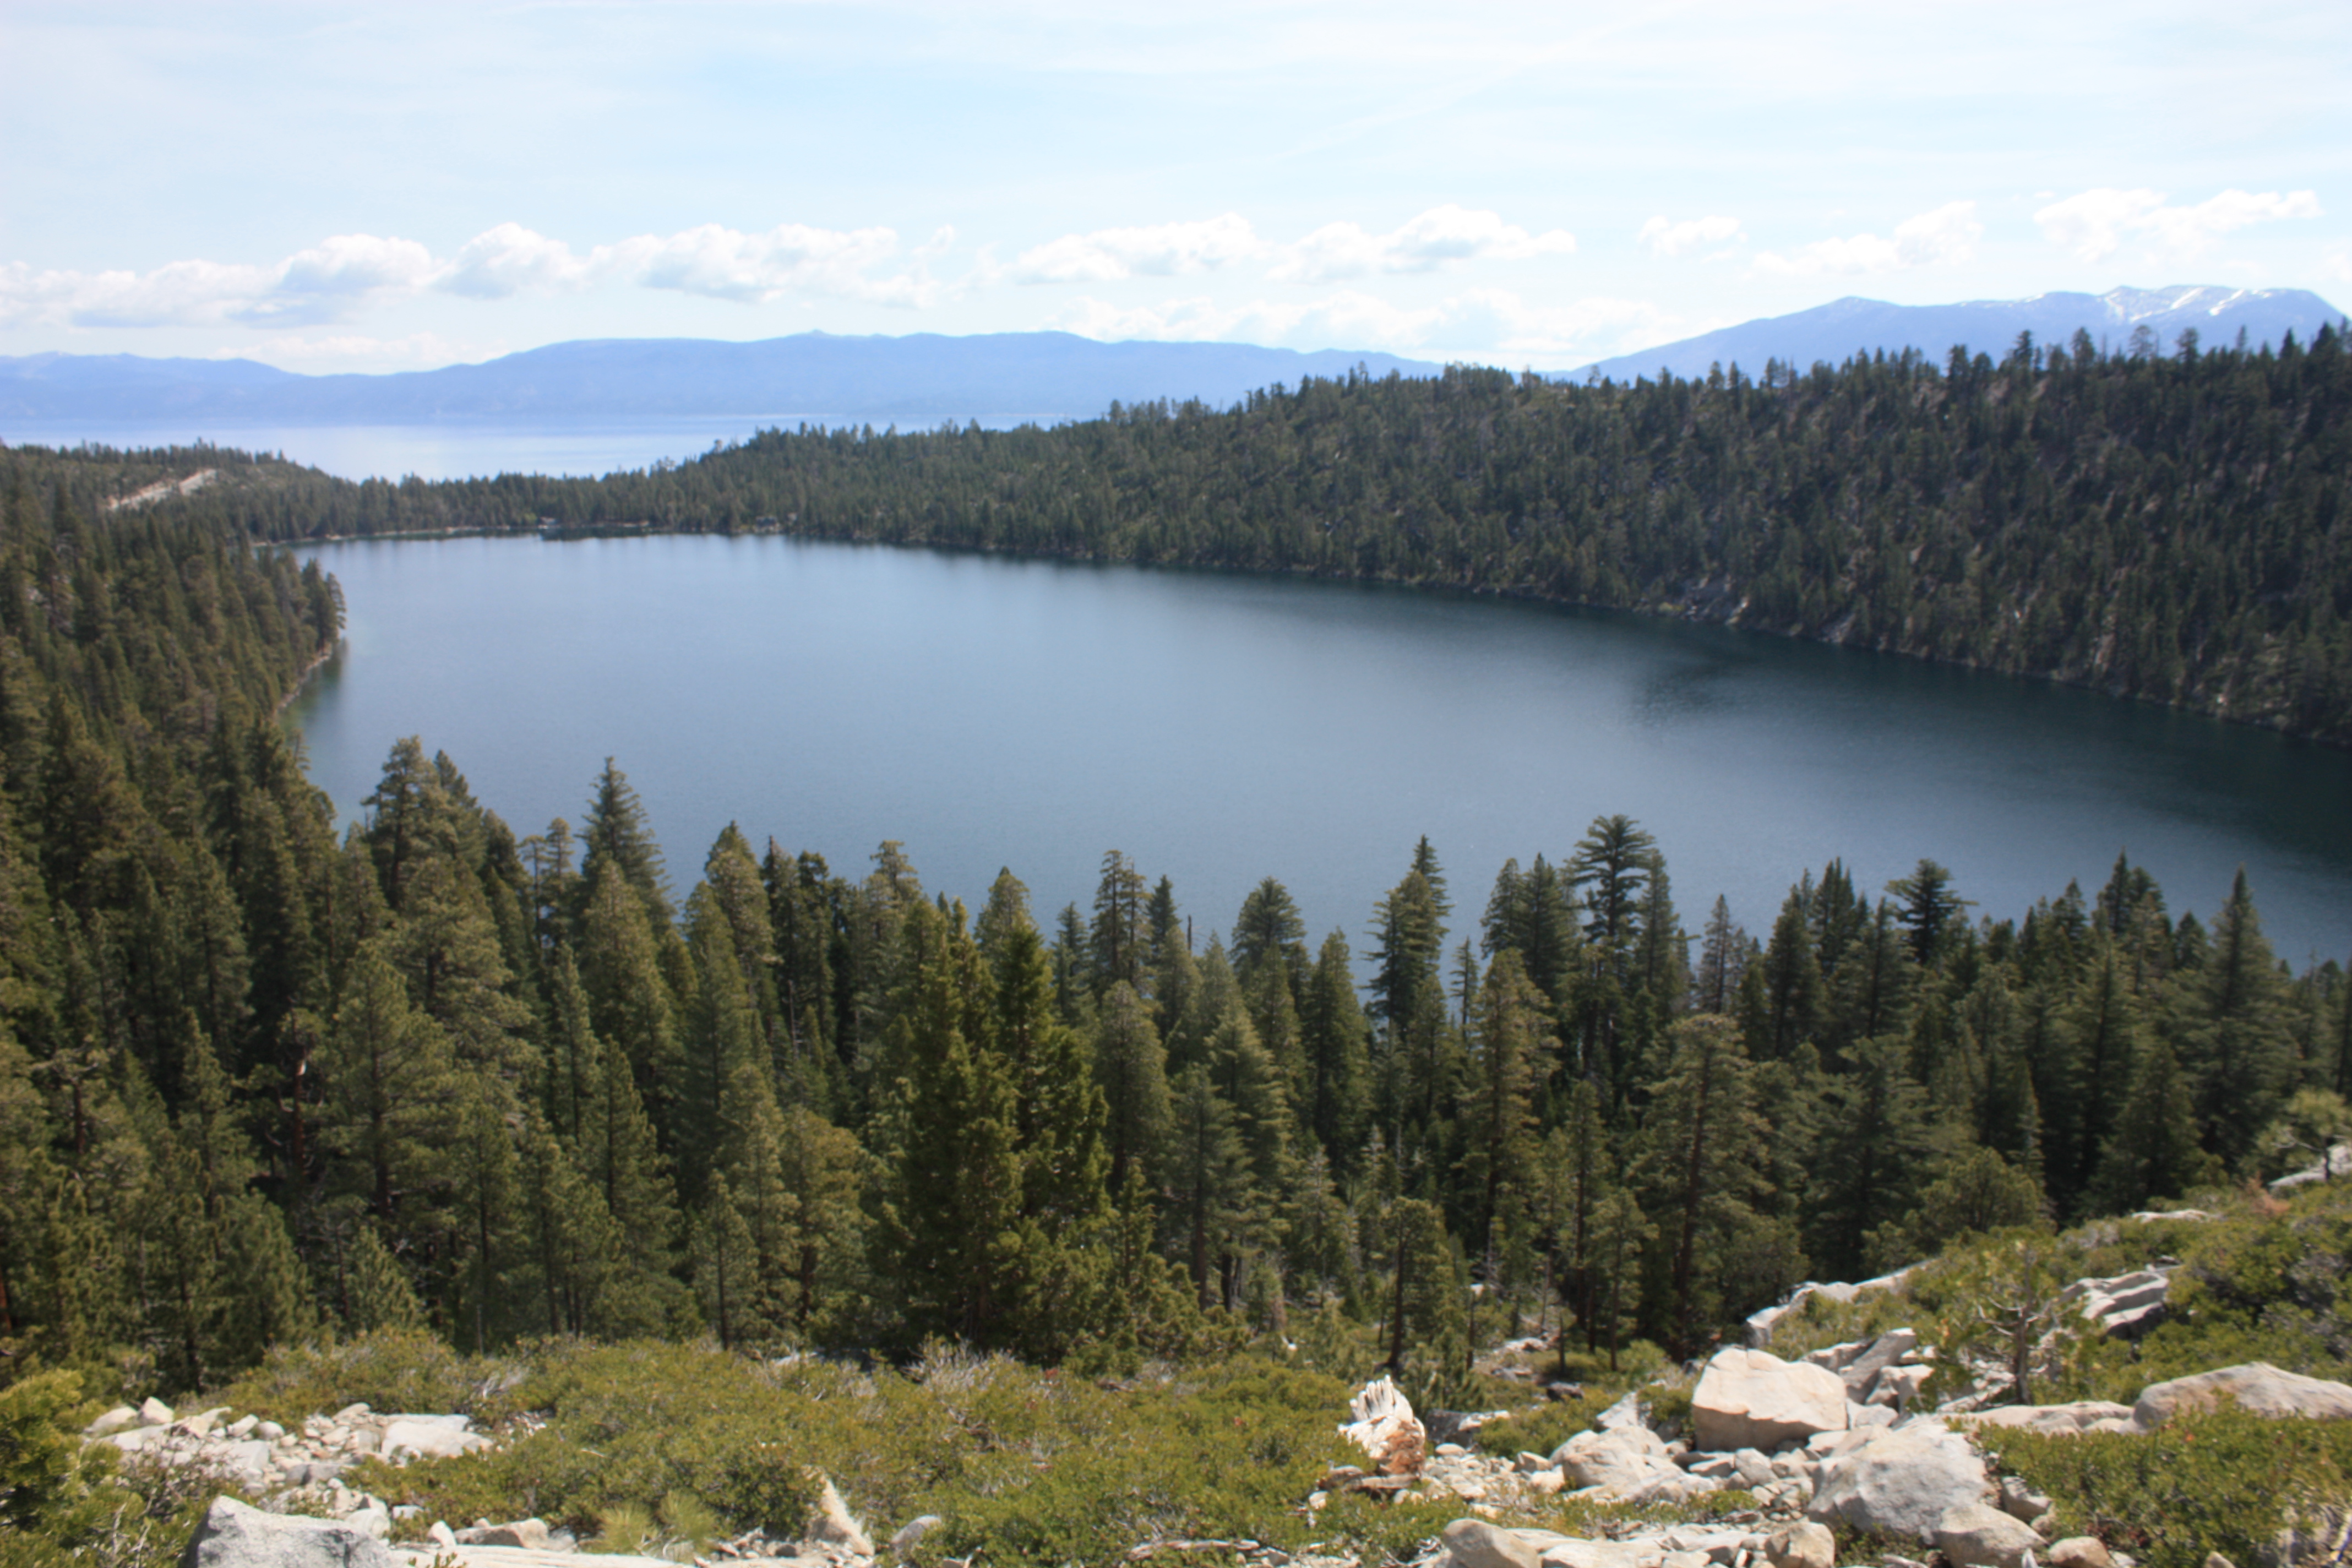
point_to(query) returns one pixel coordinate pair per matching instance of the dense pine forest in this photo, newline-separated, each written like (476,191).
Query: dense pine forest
(259,1084)
(2169,526)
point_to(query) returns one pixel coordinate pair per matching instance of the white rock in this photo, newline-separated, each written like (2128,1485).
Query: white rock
(1976,1535)
(1900,1481)
(349,1414)
(2021,1501)
(1574,1552)
(1474,1544)
(1629,1465)
(1626,1412)
(1806,1545)
(1753,1399)
(2056,1420)
(114,1420)
(270,1432)
(2123,1306)
(530,1534)
(155,1412)
(140,1437)
(2258,1388)
(429,1437)
(234,1535)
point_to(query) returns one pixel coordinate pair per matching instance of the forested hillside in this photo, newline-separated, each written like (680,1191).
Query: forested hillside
(2174,529)
(257,1086)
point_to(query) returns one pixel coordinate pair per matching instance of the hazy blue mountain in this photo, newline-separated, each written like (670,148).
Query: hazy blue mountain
(1842,327)
(916,380)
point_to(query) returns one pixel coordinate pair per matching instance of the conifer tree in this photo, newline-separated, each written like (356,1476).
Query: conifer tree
(1131,1066)
(1701,1136)
(2155,1151)
(955,1195)
(1335,1042)
(1509,1057)
(618,837)
(2231,1037)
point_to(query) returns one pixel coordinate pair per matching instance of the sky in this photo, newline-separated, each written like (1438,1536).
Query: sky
(328,187)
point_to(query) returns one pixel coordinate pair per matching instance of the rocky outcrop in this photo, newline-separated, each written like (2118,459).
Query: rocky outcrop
(2054,1420)
(2336,1162)
(1888,1370)
(1898,1481)
(2257,1387)
(1753,1399)
(1761,1323)
(2124,1307)
(1630,1464)
(237,1535)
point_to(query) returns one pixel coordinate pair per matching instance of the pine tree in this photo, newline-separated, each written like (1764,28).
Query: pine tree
(390,1089)
(2231,1038)
(1131,1066)
(1510,1055)
(2155,1151)
(1702,1135)
(1335,1042)
(1873,1157)
(618,837)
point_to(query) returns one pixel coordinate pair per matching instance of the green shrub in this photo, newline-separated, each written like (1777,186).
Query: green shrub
(2219,1480)
(1543,1427)
(388,1370)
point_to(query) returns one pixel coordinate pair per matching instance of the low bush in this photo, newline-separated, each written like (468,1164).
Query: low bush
(1038,1466)
(2218,1481)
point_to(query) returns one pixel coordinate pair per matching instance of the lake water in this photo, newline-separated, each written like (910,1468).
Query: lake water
(1219,729)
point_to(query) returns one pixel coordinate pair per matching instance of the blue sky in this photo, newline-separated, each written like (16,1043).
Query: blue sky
(327,187)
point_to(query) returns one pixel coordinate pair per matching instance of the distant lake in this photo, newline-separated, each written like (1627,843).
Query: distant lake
(1219,729)
(453,451)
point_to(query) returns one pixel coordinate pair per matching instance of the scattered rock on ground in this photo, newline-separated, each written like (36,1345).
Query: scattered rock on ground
(1806,1545)
(1629,1465)
(2078,1552)
(1753,1399)
(1978,1535)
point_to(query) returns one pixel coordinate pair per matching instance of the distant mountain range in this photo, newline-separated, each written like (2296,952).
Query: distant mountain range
(1005,378)
(1838,330)
(916,380)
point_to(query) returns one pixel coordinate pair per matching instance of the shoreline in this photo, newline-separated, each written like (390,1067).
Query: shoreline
(302,679)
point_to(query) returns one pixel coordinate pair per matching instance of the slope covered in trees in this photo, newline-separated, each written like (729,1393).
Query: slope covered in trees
(2173,527)
(257,1085)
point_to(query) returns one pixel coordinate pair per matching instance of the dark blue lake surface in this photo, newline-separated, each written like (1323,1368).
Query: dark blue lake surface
(1219,729)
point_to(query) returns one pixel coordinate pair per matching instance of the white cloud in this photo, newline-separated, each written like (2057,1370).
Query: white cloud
(1660,237)
(2095,223)
(1949,233)
(325,283)
(757,269)
(1489,322)
(1155,250)
(1424,243)
(338,277)
(511,259)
